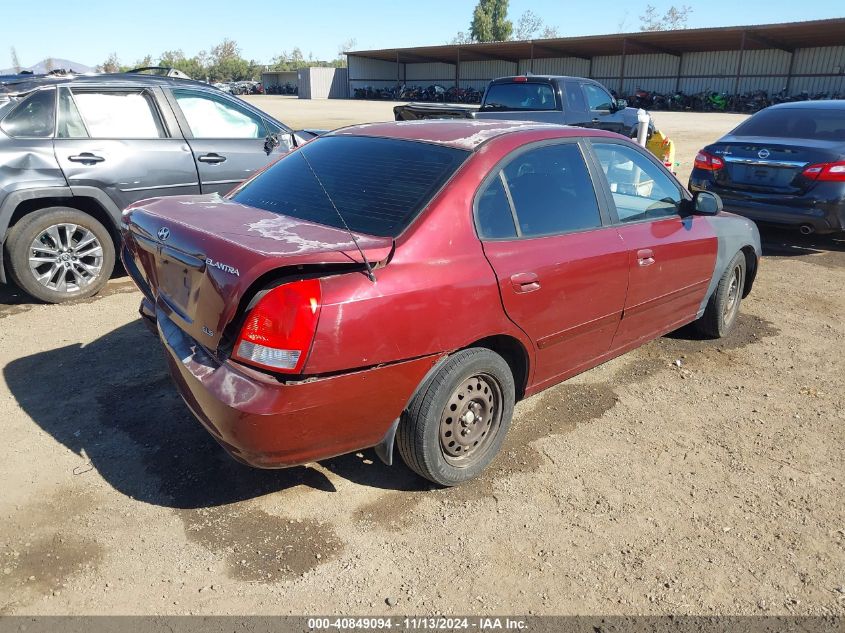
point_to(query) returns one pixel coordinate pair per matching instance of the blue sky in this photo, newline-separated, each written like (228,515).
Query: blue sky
(88,31)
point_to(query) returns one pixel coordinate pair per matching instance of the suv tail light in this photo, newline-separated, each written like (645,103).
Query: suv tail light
(834,172)
(708,162)
(278,332)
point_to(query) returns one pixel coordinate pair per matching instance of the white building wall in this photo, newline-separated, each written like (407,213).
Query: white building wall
(431,73)
(705,71)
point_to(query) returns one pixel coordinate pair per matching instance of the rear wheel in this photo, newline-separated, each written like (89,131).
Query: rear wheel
(457,421)
(58,254)
(723,306)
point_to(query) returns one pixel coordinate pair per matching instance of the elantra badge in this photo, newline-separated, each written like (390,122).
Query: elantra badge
(163,233)
(224,267)
(763,153)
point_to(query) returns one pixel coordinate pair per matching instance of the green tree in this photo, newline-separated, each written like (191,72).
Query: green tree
(461,37)
(527,25)
(226,63)
(490,21)
(674,18)
(111,65)
(193,67)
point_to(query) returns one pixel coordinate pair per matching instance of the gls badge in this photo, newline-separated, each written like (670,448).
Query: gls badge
(221,266)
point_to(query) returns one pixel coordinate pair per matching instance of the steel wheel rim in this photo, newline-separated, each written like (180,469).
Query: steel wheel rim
(470,420)
(66,257)
(732,300)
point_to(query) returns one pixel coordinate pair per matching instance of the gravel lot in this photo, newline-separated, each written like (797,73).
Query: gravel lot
(639,487)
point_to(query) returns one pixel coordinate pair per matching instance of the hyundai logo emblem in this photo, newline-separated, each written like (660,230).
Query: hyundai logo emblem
(763,153)
(163,233)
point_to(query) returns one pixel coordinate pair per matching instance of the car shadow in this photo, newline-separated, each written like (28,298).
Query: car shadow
(112,403)
(13,299)
(781,242)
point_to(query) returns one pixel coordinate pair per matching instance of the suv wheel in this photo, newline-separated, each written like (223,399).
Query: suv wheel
(58,254)
(457,421)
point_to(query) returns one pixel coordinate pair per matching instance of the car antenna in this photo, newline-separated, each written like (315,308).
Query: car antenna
(370,275)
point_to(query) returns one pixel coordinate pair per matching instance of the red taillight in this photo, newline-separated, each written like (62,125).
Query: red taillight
(279,330)
(834,172)
(708,162)
(520,80)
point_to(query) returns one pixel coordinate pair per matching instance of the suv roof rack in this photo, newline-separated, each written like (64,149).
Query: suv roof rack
(165,71)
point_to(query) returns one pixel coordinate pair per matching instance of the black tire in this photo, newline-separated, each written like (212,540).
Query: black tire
(86,283)
(723,306)
(424,423)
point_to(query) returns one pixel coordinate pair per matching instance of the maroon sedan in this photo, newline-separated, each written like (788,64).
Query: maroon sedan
(408,282)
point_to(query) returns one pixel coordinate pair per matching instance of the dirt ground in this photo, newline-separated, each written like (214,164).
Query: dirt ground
(640,487)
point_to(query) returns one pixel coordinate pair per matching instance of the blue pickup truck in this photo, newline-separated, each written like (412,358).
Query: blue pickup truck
(544,98)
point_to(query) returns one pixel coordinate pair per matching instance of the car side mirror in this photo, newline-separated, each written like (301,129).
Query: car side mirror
(707,203)
(278,139)
(621,104)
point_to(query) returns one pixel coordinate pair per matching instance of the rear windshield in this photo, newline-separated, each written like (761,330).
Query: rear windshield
(378,184)
(519,96)
(805,123)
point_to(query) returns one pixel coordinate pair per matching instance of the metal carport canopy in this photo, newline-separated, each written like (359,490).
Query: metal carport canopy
(786,36)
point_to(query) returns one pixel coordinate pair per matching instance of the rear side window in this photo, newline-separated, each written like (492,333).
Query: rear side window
(552,191)
(796,123)
(378,184)
(494,214)
(575,97)
(119,114)
(519,96)
(35,117)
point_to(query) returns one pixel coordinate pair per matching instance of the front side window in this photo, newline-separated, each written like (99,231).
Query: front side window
(212,116)
(35,117)
(520,96)
(379,185)
(597,98)
(641,190)
(118,114)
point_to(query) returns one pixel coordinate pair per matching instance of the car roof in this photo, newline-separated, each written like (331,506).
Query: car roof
(532,77)
(466,134)
(21,84)
(825,104)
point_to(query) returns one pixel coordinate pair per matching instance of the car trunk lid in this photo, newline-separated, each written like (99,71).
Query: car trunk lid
(770,165)
(199,255)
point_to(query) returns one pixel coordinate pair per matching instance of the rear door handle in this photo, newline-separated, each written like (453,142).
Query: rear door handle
(525,282)
(86,157)
(645,257)
(211,158)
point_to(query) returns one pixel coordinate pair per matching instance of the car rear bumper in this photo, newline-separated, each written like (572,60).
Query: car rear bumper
(822,208)
(269,424)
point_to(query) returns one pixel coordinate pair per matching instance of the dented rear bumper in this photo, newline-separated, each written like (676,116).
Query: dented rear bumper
(271,424)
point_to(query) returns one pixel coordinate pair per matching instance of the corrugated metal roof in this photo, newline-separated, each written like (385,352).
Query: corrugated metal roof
(787,36)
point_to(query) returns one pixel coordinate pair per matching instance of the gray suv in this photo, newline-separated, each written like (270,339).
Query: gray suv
(75,151)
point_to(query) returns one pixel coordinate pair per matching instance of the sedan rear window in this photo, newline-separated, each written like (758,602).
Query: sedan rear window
(807,123)
(519,96)
(378,184)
